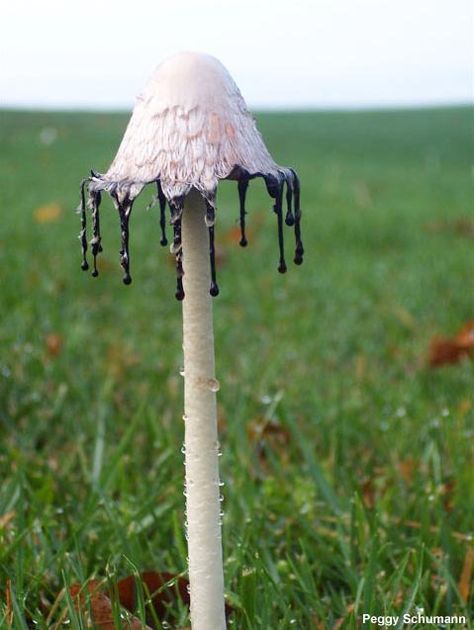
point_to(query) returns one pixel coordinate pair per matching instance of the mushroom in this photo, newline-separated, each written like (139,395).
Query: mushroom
(190,128)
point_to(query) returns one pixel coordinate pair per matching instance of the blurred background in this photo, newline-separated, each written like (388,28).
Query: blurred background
(299,54)
(346,414)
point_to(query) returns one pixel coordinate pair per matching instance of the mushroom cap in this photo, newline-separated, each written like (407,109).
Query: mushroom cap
(190,127)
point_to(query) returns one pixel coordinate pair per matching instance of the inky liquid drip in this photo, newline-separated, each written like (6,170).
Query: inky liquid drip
(162,201)
(214,290)
(278,207)
(274,182)
(83,232)
(242,186)
(289,219)
(299,250)
(124,210)
(177,206)
(96,246)
(178,249)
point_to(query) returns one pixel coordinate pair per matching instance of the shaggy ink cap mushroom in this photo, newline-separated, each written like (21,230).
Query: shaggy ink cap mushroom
(189,128)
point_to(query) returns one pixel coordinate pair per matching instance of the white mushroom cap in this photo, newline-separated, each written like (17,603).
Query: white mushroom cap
(190,127)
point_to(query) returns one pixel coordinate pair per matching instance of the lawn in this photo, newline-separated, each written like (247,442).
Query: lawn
(347,460)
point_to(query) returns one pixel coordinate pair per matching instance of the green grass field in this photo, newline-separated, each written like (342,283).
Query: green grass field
(347,461)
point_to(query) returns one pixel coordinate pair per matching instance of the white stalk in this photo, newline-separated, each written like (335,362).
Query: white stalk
(201,443)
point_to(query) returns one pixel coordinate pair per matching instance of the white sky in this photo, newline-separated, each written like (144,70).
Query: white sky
(293,53)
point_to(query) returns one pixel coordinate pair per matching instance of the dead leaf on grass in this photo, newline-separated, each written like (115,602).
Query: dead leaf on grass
(100,607)
(162,589)
(157,586)
(54,344)
(450,350)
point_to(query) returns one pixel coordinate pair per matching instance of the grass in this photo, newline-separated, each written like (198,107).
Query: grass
(359,497)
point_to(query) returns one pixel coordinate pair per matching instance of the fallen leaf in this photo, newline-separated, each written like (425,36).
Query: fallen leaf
(54,343)
(465,336)
(450,350)
(156,586)
(100,607)
(466,573)
(48,213)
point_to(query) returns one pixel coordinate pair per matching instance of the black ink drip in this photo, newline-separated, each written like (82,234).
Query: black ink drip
(275,186)
(290,218)
(124,210)
(278,207)
(242,185)
(96,246)
(177,206)
(162,200)
(83,233)
(299,250)
(210,219)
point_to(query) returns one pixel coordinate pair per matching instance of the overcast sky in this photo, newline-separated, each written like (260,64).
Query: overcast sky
(296,53)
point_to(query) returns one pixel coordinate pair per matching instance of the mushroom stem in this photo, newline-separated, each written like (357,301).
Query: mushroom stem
(203,507)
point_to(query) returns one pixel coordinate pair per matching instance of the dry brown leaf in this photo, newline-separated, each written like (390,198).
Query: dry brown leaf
(465,581)
(54,343)
(100,607)
(155,586)
(450,350)
(48,213)
(465,336)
